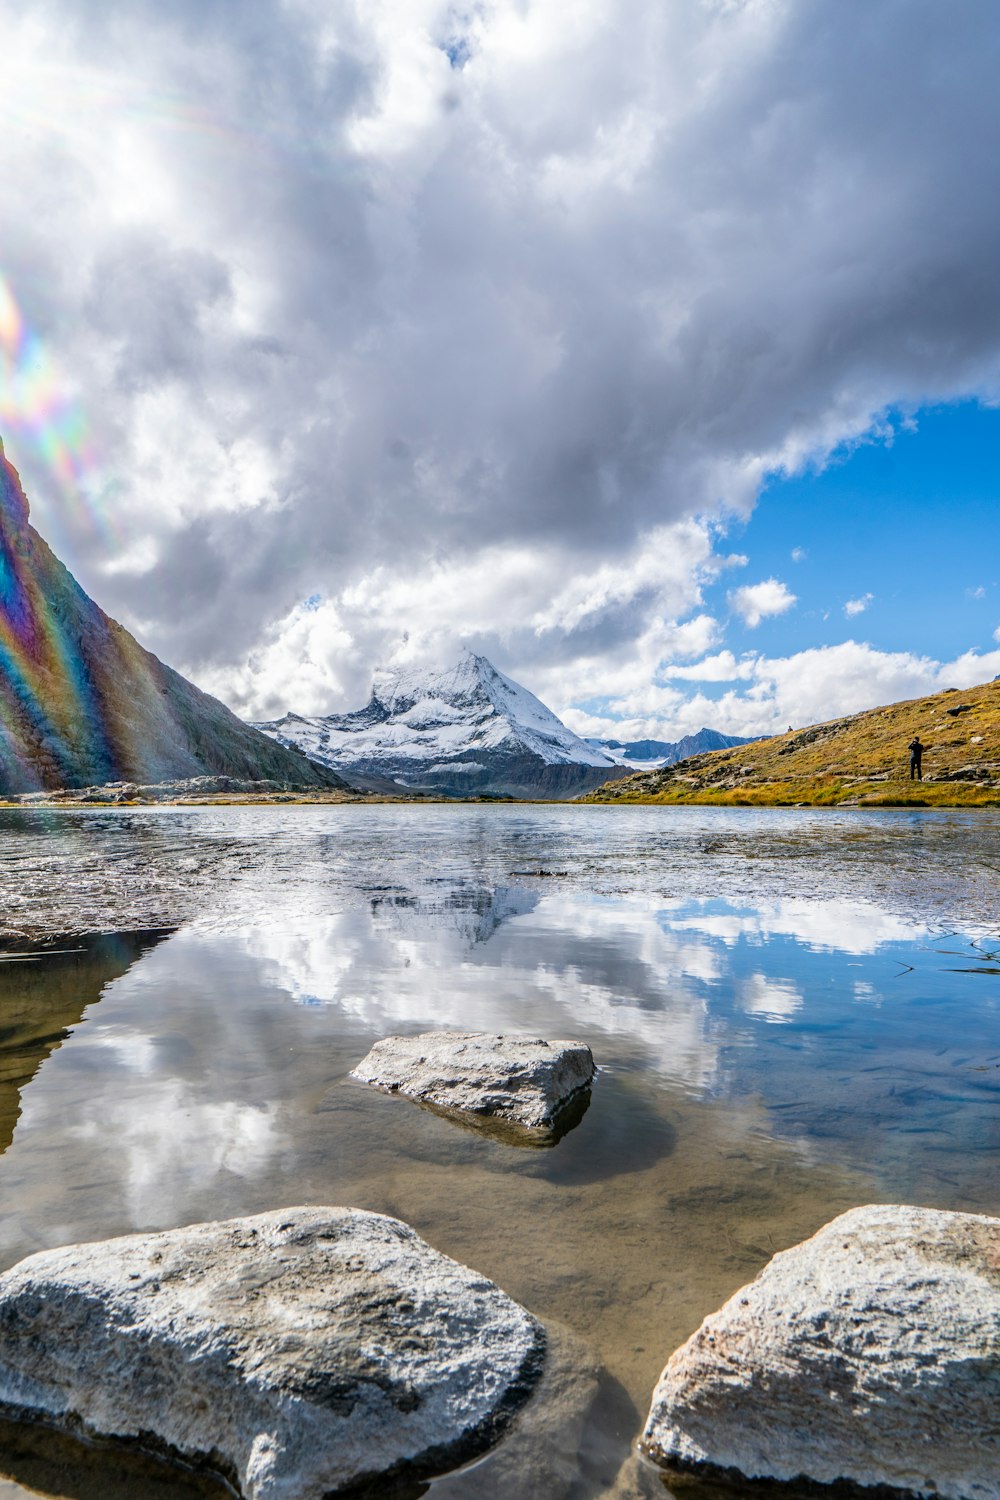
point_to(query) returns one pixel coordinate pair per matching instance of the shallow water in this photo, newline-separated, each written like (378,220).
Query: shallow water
(793,1012)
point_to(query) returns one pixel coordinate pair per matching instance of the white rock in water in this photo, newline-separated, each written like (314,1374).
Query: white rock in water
(297,1353)
(514,1077)
(870,1353)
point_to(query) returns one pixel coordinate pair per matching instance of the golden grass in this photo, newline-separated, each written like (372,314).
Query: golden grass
(859,760)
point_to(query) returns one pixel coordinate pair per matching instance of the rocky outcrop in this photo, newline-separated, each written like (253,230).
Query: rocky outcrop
(81,702)
(190,789)
(519,1079)
(299,1354)
(869,1354)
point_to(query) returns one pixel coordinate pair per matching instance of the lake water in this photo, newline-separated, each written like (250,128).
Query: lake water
(793,1012)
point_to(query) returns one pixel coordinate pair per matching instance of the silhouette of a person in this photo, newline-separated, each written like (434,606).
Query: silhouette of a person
(916,750)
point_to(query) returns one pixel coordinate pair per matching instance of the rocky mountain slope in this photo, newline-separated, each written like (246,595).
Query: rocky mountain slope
(464,731)
(861,759)
(81,702)
(649,755)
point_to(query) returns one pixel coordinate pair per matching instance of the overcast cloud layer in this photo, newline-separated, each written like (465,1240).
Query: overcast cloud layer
(405,325)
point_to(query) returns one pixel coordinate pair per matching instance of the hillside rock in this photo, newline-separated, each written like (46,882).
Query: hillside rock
(517,1078)
(191,789)
(466,731)
(869,1353)
(297,1353)
(81,702)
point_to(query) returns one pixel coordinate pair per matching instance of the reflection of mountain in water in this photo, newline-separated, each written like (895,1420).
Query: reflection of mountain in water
(473,913)
(43,995)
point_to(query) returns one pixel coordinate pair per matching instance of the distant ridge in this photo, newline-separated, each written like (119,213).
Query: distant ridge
(466,730)
(83,704)
(650,754)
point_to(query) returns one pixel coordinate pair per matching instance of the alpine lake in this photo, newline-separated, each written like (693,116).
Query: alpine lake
(793,1012)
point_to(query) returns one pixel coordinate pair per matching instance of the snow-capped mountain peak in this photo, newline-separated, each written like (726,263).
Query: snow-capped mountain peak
(463,728)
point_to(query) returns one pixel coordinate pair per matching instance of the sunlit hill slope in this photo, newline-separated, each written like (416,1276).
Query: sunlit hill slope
(859,760)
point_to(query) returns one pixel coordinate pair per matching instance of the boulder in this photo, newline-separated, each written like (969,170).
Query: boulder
(298,1354)
(869,1354)
(515,1078)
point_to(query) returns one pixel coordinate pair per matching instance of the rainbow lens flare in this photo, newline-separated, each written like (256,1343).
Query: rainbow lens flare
(39,409)
(52,705)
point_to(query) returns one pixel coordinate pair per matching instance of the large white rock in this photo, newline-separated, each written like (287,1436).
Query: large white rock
(296,1352)
(516,1078)
(870,1353)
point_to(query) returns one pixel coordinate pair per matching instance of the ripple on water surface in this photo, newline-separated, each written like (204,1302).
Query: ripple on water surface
(793,1014)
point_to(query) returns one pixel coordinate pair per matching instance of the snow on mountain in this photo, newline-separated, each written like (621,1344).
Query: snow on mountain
(465,730)
(650,755)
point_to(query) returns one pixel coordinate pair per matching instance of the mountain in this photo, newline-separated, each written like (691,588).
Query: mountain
(81,702)
(464,731)
(649,755)
(861,759)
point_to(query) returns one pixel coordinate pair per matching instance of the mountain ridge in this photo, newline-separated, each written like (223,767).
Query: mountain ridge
(83,704)
(668,752)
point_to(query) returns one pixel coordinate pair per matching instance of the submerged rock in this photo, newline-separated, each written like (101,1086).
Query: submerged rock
(868,1354)
(298,1353)
(515,1078)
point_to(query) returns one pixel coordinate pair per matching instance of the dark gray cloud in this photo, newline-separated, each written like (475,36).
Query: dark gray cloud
(344,311)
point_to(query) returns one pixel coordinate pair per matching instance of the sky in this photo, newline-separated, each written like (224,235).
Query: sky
(649,347)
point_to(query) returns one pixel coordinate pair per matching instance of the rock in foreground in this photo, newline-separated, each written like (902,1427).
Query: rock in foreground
(515,1078)
(868,1354)
(297,1353)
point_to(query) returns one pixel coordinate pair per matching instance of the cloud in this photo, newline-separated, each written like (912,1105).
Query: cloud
(976,593)
(773,1000)
(798,554)
(857,606)
(807,687)
(379,302)
(723,667)
(755,601)
(996,634)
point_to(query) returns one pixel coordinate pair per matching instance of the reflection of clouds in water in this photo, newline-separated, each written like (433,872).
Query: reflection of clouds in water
(774,1000)
(165,1137)
(559,964)
(835,926)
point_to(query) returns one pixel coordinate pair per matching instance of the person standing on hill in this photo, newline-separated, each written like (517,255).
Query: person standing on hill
(916,750)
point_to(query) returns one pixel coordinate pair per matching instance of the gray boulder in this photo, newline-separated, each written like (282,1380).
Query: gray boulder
(296,1353)
(869,1354)
(516,1078)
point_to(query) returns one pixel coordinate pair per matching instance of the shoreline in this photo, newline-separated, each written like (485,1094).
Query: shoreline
(834,795)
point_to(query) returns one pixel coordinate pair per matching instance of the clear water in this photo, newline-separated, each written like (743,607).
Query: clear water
(793,1013)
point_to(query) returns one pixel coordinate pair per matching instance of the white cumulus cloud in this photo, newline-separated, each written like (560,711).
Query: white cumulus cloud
(857,606)
(755,601)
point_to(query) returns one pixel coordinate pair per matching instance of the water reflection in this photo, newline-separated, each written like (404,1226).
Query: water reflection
(766,1061)
(43,995)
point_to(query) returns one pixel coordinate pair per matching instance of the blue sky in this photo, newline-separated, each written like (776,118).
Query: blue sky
(910,517)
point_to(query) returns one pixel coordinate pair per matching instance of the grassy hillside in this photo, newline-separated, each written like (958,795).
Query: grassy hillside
(860,760)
